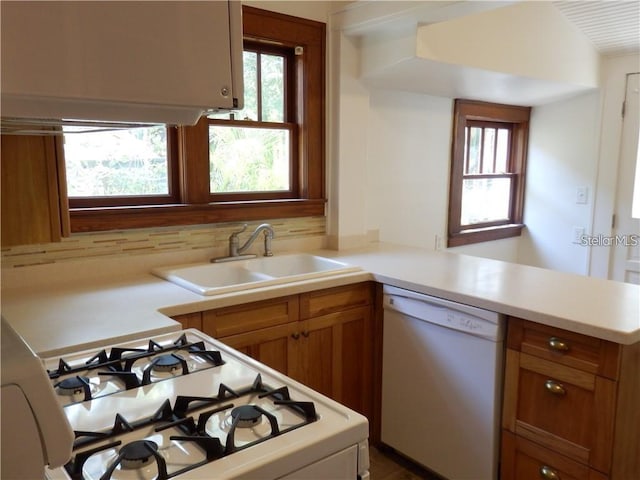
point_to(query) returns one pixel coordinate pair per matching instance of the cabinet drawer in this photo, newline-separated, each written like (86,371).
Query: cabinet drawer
(526,460)
(238,319)
(565,409)
(585,353)
(336,299)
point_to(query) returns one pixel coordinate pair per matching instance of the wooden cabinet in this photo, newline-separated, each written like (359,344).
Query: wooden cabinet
(324,339)
(34,207)
(570,406)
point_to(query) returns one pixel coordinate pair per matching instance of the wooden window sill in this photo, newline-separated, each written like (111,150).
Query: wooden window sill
(478,235)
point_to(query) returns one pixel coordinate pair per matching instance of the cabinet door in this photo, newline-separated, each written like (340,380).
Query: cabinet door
(271,346)
(525,460)
(34,207)
(336,357)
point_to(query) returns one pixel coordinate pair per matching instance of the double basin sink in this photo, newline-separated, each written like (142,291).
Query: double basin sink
(217,278)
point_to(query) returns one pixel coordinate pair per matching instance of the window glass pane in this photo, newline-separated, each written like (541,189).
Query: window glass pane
(248,159)
(502,150)
(250,66)
(272,79)
(117,163)
(488,150)
(472,164)
(485,200)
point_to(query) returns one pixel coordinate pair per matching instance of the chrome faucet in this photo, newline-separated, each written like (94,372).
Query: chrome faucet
(236,252)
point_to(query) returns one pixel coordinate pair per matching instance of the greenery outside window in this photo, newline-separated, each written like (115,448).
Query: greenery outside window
(264,162)
(487,171)
(120,167)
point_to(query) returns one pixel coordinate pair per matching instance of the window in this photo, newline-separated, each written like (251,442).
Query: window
(266,161)
(119,167)
(487,171)
(252,153)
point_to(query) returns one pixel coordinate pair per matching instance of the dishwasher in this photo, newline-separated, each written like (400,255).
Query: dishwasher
(442,384)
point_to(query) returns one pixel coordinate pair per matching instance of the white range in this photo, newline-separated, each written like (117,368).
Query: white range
(183,405)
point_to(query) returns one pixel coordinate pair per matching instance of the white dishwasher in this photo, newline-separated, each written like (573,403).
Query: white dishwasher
(442,383)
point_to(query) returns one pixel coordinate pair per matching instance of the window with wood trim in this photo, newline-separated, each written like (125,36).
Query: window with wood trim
(189,178)
(488,163)
(253,152)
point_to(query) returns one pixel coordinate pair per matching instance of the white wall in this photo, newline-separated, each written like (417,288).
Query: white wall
(408,165)
(563,139)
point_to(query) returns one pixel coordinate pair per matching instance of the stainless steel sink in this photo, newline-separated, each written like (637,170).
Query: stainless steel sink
(217,278)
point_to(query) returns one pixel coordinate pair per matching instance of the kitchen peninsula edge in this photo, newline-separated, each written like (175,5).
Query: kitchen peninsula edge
(90,309)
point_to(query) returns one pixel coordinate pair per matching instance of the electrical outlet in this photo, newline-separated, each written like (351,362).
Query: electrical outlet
(578,233)
(438,242)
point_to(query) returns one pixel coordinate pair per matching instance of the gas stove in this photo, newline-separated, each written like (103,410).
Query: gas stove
(184,405)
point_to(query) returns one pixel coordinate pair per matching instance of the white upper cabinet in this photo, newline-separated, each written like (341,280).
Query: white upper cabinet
(152,62)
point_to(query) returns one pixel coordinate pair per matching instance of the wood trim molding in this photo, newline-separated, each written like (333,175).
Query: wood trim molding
(93,220)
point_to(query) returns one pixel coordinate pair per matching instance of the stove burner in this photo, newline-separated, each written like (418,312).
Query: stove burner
(137,454)
(166,363)
(246,416)
(72,385)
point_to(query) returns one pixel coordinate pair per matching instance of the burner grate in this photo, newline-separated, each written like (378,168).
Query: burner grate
(181,417)
(118,363)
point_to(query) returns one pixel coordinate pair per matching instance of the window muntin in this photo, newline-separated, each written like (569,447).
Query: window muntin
(487,171)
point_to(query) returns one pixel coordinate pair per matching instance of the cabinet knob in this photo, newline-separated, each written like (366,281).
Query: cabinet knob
(549,473)
(555,387)
(558,344)
(305,334)
(295,336)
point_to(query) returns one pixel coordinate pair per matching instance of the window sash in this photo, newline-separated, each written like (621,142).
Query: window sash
(292,192)
(172,197)
(513,178)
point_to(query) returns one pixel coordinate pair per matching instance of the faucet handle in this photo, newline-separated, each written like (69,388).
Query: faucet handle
(238,232)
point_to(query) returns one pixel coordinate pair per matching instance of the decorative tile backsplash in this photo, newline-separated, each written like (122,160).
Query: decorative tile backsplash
(137,242)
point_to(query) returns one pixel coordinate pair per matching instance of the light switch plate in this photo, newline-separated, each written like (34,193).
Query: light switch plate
(582,195)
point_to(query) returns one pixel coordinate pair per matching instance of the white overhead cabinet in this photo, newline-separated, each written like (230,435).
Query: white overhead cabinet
(149,62)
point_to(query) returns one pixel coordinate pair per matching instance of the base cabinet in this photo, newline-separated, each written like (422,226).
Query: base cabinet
(323,339)
(570,406)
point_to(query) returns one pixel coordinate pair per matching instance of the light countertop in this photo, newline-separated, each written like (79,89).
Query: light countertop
(85,310)
(592,306)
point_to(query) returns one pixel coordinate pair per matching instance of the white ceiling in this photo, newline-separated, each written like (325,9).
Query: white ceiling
(613,26)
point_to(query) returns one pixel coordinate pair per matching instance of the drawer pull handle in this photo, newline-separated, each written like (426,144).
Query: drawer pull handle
(548,473)
(558,345)
(555,387)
